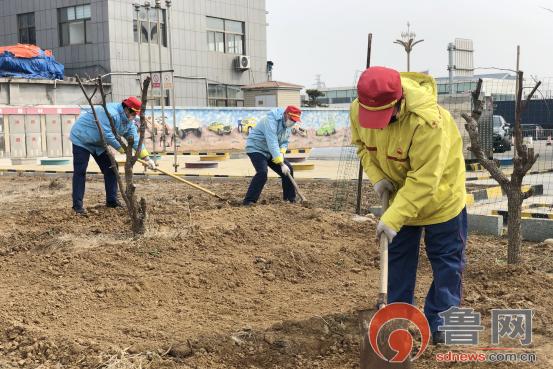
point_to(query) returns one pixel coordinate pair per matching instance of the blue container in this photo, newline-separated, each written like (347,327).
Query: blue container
(54,161)
(505,161)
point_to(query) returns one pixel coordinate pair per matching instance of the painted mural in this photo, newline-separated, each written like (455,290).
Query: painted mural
(213,129)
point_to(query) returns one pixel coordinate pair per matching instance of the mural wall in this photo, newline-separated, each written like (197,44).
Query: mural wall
(200,129)
(38,131)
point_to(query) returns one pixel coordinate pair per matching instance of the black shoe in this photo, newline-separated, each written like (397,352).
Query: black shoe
(115,204)
(80,211)
(438,338)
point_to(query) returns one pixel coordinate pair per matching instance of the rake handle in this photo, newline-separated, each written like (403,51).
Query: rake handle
(183,181)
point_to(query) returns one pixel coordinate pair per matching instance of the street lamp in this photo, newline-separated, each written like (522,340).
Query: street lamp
(408,42)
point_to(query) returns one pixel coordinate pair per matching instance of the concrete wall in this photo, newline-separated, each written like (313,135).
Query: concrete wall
(41,92)
(112,47)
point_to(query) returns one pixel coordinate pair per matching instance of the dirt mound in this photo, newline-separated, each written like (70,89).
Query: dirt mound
(213,284)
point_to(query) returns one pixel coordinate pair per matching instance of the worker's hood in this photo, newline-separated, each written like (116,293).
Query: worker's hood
(420,93)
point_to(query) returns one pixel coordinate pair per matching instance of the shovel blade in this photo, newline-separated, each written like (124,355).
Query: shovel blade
(368,358)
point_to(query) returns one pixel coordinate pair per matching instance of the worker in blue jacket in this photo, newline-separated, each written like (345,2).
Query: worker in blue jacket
(266,144)
(87,141)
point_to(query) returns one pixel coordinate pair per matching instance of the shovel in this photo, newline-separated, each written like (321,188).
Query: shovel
(302,198)
(368,358)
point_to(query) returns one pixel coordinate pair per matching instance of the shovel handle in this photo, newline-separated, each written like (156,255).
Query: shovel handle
(383,288)
(296,187)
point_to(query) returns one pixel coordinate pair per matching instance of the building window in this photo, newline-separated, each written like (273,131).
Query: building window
(74,25)
(26,27)
(154,34)
(225,95)
(225,36)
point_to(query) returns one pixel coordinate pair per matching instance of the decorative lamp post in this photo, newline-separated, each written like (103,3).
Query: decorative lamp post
(408,42)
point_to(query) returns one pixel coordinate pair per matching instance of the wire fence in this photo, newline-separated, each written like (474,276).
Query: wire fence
(496,128)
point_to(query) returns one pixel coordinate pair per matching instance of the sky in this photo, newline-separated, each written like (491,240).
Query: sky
(327,37)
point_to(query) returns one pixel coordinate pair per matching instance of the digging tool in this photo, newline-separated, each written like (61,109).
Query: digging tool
(183,180)
(296,187)
(368,358)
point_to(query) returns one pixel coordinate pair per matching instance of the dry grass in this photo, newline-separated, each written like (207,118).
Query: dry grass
(125,360)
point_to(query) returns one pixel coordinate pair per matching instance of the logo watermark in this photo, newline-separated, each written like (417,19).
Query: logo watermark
(461,326)
(400,339)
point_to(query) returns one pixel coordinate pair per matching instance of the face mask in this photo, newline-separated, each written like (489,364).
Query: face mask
(289,123)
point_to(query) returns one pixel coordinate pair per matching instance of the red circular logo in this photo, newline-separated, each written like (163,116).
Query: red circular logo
(400,339)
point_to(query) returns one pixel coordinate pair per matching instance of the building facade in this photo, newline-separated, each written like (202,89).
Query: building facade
(218,45)
(338,97)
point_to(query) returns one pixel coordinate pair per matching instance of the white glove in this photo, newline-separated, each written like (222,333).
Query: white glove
(382,228)
(150,164)
(383,185)
(285,170)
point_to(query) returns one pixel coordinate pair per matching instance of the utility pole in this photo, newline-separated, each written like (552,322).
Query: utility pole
(408,42)
(451,66)
(173,96)
(162,99)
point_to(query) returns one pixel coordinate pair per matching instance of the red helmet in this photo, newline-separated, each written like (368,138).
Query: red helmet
(132,103)
(294,113)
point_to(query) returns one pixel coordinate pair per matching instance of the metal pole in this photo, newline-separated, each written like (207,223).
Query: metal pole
(173,101)
(159,37)
(450,67)
(516,89)
(139,28)
(360,174)
(408,61)
(147,6)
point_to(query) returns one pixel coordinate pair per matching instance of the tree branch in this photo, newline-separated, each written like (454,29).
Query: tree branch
(527,194)
(527,101)
(519,147)
(142,132)
(110,118)
(476,149)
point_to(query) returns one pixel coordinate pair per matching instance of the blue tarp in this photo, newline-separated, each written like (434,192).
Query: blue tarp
(42,66)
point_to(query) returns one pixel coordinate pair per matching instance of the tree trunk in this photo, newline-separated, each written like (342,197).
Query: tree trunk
(514,199)
(139,218)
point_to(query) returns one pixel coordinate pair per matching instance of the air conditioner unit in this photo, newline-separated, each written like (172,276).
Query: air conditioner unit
(242,62)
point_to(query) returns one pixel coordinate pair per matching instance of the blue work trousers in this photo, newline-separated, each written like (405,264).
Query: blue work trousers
(80,163)
(445,248)
(261,164)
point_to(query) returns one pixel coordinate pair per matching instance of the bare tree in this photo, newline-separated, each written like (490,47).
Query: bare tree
(137,209)
(522,163)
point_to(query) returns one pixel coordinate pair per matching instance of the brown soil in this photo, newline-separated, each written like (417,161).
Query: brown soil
(214,285)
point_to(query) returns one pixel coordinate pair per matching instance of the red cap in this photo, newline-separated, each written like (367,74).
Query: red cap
(378,91)
(294,113)
(133,103)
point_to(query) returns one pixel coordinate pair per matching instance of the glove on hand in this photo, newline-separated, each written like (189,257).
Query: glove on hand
(383,229)
(150,164)
(383,185)
(285,170)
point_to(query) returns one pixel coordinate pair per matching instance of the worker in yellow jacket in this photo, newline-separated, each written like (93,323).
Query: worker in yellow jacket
(410,147)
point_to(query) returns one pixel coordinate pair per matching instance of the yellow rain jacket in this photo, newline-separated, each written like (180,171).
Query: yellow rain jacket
(421,154)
